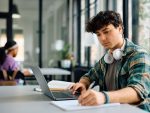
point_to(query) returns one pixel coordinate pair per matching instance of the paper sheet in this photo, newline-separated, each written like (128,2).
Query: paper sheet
(59,84)
(69,105)
(56,85)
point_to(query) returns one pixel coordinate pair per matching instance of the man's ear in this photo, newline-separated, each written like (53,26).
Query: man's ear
(120,29)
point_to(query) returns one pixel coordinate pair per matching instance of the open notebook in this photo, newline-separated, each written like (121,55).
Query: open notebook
(70,105)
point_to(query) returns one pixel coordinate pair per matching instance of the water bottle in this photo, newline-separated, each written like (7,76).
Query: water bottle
(20,82)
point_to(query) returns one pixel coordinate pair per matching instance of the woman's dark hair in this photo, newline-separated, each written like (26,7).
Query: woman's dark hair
(9,44)
(2,55)
(102,19)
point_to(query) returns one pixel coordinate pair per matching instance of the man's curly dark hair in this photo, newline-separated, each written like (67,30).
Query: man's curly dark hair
(103,19)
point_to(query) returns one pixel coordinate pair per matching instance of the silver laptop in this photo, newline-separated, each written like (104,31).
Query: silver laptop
(55,95)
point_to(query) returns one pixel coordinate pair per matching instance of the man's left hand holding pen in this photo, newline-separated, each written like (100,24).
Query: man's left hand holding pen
(87,96)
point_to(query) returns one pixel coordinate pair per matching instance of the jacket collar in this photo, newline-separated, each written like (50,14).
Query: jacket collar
(130,47)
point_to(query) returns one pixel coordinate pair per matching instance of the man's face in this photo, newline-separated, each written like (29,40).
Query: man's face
(110,37)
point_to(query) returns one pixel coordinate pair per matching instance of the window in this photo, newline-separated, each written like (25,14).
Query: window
(96,48)
(144,22)
(83,13)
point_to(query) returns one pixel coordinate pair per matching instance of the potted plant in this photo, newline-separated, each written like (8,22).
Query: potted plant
(66,56)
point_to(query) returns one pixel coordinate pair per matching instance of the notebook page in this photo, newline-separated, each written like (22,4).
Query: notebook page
(69,105)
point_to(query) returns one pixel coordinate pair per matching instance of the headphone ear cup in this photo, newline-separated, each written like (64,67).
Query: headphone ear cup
(108,58)
(117,54)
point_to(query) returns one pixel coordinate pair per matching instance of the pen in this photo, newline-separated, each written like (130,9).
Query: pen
(92,85)
(77,93)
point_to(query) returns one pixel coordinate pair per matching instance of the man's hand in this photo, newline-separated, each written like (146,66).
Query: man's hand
(78,87)
(91,98)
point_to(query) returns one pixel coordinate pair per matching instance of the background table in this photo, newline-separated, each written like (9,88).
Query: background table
(52,73)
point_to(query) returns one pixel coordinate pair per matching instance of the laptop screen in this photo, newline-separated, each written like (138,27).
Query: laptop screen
(41,80)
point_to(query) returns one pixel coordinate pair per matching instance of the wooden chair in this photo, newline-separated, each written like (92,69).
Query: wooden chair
(8,82)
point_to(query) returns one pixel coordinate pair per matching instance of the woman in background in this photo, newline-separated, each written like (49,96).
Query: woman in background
(8,65)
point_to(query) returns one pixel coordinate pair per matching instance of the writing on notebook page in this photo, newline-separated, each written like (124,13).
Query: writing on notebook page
(69,105)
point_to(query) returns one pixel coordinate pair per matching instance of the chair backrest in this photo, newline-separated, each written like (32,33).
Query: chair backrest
(79,72)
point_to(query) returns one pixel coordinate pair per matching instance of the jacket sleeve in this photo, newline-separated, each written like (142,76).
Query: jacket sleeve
(139,70)
(95,74)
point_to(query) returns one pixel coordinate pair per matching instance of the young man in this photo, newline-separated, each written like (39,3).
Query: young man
(123,73)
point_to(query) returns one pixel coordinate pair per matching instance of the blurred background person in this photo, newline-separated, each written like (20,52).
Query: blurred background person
(8,65)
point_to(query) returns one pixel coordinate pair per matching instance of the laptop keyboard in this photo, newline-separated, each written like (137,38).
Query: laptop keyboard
(63,94)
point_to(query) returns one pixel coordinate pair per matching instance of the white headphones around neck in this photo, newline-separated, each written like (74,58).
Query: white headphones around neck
(117,55)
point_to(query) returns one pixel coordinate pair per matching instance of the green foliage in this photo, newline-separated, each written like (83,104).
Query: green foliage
(65,54)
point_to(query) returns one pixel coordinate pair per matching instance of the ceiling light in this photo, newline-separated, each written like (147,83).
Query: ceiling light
(15,12)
